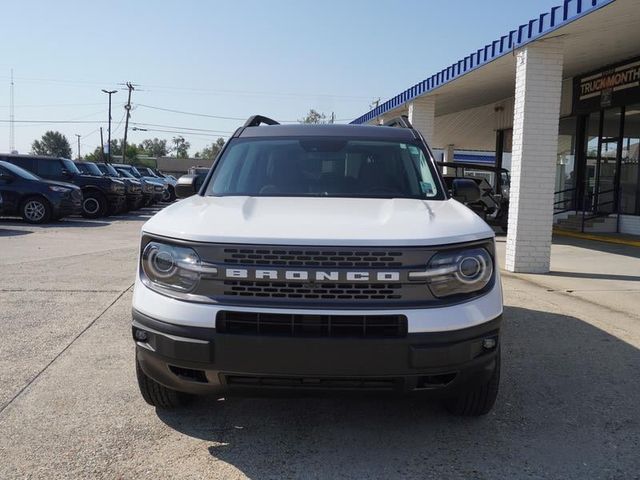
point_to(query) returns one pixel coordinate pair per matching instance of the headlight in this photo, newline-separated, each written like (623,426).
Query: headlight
(173,267)
(117,186)
(456,272)
(55,188)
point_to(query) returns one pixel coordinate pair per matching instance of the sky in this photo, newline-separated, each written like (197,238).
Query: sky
(229,59)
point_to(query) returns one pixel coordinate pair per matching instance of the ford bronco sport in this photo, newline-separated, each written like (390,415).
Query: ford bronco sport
(319,257)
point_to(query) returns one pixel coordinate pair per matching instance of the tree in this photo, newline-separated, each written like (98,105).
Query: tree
(181,147)
(95,156)
(154,147)
(52,144)
(209,153)
(314,117)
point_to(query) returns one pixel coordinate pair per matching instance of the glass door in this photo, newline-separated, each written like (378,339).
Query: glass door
(606,193)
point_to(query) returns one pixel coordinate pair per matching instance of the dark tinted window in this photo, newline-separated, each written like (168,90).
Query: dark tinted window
(49,168)
(24,162)
(332,167)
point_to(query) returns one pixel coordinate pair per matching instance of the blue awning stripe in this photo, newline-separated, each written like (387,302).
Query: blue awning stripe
(546,22)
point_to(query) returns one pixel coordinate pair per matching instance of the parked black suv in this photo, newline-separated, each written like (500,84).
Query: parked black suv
(157,184)
(136,194)
(35,199)
(132,187)
(101,196)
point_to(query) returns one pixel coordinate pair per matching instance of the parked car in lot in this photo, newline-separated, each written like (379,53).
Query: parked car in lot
(148,188)
(320,257)
(169,195)
(34,199)
(158,185)
(101,196)
(133,189)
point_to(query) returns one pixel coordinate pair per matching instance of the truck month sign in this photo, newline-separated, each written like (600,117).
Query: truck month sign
(614,86)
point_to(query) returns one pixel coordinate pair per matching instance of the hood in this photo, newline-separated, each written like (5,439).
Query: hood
(319,221)
(60,184)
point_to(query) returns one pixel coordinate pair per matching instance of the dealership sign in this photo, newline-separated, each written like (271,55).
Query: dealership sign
(614,86)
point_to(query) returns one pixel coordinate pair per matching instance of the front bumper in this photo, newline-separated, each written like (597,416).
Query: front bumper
(117,201)
(201,360)
(67,206)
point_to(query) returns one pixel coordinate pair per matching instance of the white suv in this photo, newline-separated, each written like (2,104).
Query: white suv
(319,257)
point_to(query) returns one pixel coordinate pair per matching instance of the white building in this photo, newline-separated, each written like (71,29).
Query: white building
(561,93)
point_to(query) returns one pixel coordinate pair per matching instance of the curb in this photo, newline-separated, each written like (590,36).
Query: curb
(598,238)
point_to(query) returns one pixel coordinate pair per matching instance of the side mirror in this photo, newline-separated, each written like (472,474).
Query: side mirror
(465,190)
(186,186)
(67,173)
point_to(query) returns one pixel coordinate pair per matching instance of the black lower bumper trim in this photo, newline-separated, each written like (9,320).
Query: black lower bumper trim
(200,360)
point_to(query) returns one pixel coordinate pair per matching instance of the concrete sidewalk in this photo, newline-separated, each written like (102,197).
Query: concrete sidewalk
(597,273)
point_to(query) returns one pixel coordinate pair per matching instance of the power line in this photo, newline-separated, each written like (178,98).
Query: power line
(189,113)
(180,128)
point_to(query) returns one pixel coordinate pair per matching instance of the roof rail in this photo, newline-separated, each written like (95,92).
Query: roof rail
(257,120)
(401,121)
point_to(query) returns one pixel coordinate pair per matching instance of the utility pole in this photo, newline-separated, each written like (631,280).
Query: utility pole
(127,114)
(79,157)
(12,120)
(333,118)
(109,92)
(101,145)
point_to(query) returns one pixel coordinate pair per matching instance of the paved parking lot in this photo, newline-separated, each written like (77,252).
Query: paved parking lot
(69,405)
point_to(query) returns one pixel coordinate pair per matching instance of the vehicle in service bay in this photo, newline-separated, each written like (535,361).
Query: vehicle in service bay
(320,257)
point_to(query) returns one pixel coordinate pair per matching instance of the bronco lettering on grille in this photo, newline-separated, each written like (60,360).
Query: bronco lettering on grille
(315,276)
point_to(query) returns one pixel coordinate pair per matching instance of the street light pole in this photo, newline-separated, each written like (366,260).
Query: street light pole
(78,146)
(109,92)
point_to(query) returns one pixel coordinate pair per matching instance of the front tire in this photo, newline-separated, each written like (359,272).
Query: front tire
(158,395)
(94,205)
(36,210)
(478,400)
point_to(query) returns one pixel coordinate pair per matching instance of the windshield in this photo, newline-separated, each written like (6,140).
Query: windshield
(70,166)
(125,173)
(92,169)
(331,167)
(21,172)
(108,169)
(134,171)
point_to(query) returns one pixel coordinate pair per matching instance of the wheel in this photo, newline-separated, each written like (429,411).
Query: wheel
(479,400)
(36,210)
(166,195)
(172,193)
(158,395)
(94,205)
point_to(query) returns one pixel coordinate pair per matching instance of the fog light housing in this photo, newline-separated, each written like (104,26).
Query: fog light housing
(140,335)
(489,343)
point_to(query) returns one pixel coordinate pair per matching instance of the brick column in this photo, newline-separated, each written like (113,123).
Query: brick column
(422,116)
(533,160)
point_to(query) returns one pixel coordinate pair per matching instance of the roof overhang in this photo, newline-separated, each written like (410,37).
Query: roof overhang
(594,32)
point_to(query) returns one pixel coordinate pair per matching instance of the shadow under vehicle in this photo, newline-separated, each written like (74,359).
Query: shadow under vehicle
(493,205)
(34,199)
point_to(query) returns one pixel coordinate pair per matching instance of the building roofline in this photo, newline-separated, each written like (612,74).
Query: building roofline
(544,24)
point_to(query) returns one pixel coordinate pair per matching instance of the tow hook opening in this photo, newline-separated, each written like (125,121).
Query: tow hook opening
(435,381)
(189,374)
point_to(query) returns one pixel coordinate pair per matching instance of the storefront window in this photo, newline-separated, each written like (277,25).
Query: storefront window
(629,172)
(566,164)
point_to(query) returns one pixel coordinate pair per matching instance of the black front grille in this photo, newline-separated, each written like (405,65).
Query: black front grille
(312,258)
(291,325)
(338,291)
(324,383)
